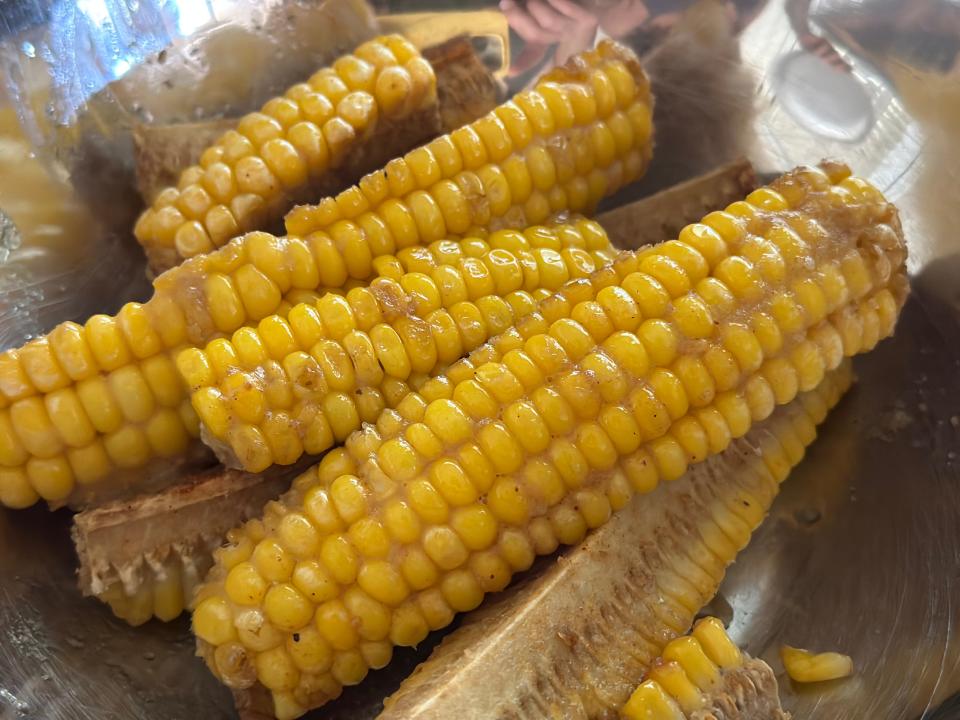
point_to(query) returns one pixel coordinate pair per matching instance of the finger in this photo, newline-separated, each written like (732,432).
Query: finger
(573,11)
(548,17)
(530,56)
(524,25)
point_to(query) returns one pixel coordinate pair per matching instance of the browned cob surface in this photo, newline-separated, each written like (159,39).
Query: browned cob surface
(161,152)
(575,641)
(664,214)
(144,556)
(704,676)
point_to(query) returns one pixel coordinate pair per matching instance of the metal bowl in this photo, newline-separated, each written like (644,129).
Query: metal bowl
(861,552)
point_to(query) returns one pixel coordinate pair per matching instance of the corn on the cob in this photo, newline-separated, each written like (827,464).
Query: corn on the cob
(580,134)
(704,675)
(102,400)
(301,382)
(649,365)
(145,556)
(574,641)
(806,667)
(288,150)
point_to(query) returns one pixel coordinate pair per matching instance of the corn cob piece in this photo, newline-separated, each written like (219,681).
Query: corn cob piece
(648,366)
(583,132)
(301,382)
(346,119)
(575,639)
(145,556)
(103,401)
(703,675)
(806,667)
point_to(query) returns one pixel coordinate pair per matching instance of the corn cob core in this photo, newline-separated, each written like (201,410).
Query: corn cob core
(704,675)
(584,131)
(251,174)
(615,382)
(299,383)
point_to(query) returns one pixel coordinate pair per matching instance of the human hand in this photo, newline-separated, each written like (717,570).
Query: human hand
(824,50)
(562,24)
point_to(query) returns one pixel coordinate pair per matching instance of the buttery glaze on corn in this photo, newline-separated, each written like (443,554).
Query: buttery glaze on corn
(298,383)
(93,402)
(648,365)
(704,676)
(249,174)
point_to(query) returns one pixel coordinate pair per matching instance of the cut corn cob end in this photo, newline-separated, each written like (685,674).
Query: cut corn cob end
(302,381)
(804,666)
(580,134)
(249,177)
(704,675)
(158,587)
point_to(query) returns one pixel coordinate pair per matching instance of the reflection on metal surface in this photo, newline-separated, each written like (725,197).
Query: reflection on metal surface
(827,103)
(862,550)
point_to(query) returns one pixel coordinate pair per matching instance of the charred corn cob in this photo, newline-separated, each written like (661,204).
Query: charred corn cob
(805,667)
(301,382)
(283,153)
(581,133)
(145,556)
(648,366)
(575,641)
(704,675)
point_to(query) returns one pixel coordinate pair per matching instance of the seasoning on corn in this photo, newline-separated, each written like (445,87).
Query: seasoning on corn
(103,401)
(140,572)
(649,365)
(804,666)
(297,146)
(145,556)
(583,132)
(298,383)
(578,636)
(704,675)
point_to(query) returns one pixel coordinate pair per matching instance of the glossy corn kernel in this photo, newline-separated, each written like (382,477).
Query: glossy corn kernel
(431,306)
(442,565)
(557,147)
(805,667)
(254,173)
(697,678)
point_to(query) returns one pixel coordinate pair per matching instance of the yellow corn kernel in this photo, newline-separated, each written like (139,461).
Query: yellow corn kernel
(805,666)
